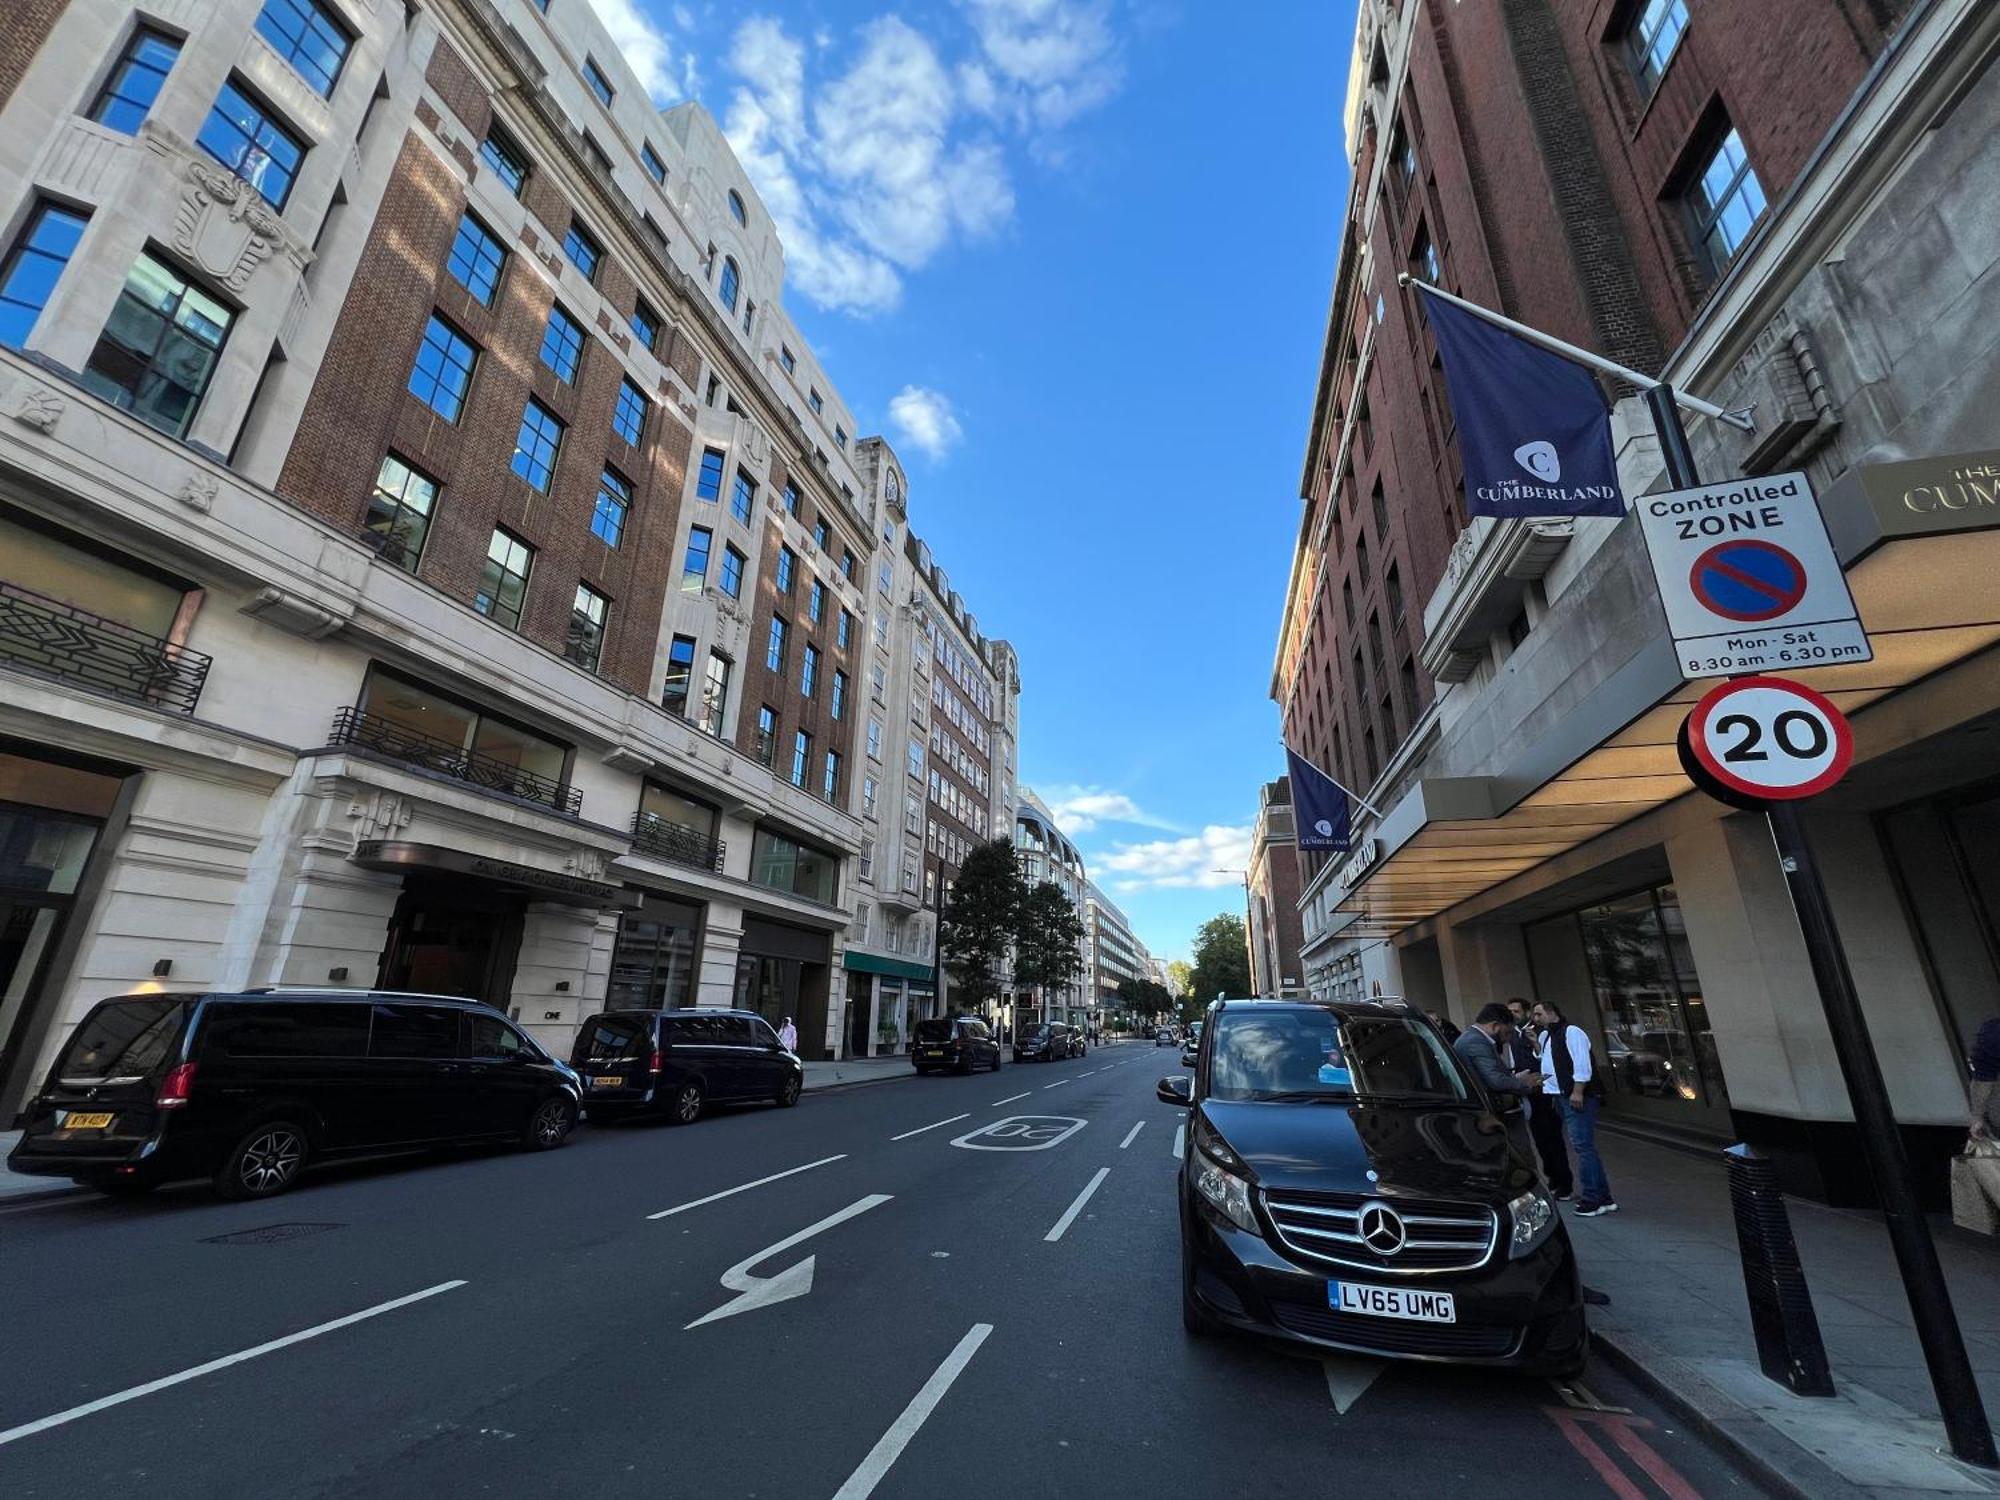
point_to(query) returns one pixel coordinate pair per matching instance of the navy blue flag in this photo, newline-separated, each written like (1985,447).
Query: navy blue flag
(1319,805)
(1533,428)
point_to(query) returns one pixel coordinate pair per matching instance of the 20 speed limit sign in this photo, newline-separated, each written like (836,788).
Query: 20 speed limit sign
(1764,739)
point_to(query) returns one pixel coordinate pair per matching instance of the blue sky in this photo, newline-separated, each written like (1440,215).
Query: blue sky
(1072,257)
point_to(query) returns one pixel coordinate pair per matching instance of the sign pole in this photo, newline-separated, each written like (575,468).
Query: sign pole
(1931,1311)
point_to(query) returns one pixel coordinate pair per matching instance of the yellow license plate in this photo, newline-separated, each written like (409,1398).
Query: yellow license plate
(74,1121)
(607,1083)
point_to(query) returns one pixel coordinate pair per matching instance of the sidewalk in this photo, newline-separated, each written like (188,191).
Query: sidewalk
(14,1186)
(826,1075)
(1680,1321)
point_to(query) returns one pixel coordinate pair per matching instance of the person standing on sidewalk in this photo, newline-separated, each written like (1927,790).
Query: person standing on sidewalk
(788,1036)
(1986,1082)
(1544,1121)
(1486,1048)
(1570,1076)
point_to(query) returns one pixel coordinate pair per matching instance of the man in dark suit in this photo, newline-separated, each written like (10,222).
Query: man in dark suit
(1485,1047)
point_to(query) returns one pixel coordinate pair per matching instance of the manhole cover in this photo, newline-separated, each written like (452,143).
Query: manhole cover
(271,1234)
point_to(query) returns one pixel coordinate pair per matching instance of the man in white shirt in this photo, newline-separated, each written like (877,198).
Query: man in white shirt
(1570,1075)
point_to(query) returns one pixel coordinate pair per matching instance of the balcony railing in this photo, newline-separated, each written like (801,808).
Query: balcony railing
(52,639)
(676,842)
(394,742)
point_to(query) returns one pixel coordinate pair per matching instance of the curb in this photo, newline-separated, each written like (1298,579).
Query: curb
(1794,1474)
(40,1196)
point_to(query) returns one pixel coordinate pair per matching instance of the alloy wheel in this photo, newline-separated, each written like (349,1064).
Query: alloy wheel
(687,1104)
(271,1160)
(551,1122)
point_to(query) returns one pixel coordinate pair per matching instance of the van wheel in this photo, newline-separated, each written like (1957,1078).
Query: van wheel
(549,1126)
(686,1106)
(267,1160)
(788,1091)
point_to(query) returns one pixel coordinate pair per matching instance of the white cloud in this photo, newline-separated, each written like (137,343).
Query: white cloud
(1047,61)
(1207,860)
(1079,809)
(924,419)
(646,48)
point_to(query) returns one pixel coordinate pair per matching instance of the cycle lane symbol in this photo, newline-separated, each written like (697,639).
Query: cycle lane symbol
(1021,1133)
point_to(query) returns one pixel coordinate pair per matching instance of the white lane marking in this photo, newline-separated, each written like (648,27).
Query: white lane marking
(29,1429)
(889,1447)
(1056,1085)
(1070,1213)
(1131,1135)
(1021,1133)
(1180,1140)
(932,1126)
(681,1208)
(762,1291)
(1012,1097)
(1348,1379)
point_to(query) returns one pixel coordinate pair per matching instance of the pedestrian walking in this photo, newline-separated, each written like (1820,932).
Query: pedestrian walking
(788,1036)
(1572,1080)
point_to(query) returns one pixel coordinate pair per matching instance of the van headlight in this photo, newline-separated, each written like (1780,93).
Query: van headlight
(1226,1192)
(1533,1217)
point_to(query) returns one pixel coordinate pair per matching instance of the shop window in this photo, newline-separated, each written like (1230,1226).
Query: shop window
(653,961)
(782,864)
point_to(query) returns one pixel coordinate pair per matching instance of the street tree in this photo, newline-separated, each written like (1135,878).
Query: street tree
(980,919)
(1180,978)
(1048,939)
(1221,960)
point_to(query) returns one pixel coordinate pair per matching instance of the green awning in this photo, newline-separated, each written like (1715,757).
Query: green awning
(895,968)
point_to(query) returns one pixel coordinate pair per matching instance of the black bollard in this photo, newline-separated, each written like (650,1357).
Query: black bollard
(1781,1312)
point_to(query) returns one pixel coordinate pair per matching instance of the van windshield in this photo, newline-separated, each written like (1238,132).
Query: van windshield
(1314,1054)
(936,1029)
(124,1039)
(607,1038)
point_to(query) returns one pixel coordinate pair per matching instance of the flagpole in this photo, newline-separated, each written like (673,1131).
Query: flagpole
(1554,345)
(1365,803)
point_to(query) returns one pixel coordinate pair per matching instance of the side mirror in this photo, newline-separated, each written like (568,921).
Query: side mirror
(1176,1091)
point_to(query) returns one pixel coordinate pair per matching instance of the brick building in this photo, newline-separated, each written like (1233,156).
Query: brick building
(1783,219)
(1272,884)
(429,554)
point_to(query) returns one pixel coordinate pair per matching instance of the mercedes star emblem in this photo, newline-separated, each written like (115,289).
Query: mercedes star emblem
(1381,1229)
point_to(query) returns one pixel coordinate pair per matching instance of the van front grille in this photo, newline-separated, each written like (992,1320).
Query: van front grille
(1437,1236)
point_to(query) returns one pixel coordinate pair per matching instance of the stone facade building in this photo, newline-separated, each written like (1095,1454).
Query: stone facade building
(429,555)
(1272,883)
(1116,954)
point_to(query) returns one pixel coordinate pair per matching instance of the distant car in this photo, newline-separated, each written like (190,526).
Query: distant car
(961,1044)
(1163,1037)
(1047,1042)
(677,1062)
(249,1087)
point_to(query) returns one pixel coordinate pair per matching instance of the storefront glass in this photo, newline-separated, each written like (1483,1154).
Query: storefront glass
(653,962)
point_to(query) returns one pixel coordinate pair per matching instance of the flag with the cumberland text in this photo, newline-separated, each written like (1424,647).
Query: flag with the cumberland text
(1319,807)
(1533,428)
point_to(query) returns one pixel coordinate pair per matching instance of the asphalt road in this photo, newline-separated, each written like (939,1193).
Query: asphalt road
(543,1325)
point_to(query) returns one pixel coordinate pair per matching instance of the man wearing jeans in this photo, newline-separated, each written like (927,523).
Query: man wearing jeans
(1569,1074)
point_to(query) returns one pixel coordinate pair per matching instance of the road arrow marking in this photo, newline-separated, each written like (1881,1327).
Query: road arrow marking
(763,1291)
(1347,1380)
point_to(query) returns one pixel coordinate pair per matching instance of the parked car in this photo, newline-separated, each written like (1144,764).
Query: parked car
(1047,1042)
(1163,1037)
(959,1044)
(1404,1221)
(677,1062)
(248,1088)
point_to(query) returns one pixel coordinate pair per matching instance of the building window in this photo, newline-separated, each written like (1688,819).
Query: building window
(767,734)
(443,369)
(844,631)
(830,786)
(562,344)
(476,260)
(816,602)
(840,437)
(875,737)
(628,417)
(813,400)
(714,693)
(780,864)
(614,503)
(1655,33)
(809,671)
(868,796)
(1392,583)
(786,359)
(708,485)
(581,246)
(730,281)
(243,136)
(680,673)
(537,444)
(916,760)
(135,82)
(585,645)
(30,272)
(1724,200)
(838,703)
(749,314)
(399,513)
(503,584)
(646,325)
(305,34)
(599,84)
(885,579)
(787,564)
(1406,156)
(792,497)
(821,535)
(158,349)
(505,158)
(650,160)
(847,565)
(774,653)
(736,208)
(743,497)
(802,745)
(694,568)
(1424,256)
(733,563)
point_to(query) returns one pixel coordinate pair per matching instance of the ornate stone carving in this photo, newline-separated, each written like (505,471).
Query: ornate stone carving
(381,815)
(756,443)
(197,491)
(224,226)
(39,409)
(1460,561)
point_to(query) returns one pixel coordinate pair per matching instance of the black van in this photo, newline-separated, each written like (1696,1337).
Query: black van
(1050,1041)
(959,1044)
(675,1062)
(248,1087)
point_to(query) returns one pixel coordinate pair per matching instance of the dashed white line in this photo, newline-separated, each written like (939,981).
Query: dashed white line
(1131,1135)
(861,1483)
(1056,1085)
(1012,1097)
(1180,1140)
(681,1208)
(1070,1213)
(29,1429)
(932,1126)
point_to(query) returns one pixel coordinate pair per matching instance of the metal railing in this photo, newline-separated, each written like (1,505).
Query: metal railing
(394,742)
(52,639)
(665,839)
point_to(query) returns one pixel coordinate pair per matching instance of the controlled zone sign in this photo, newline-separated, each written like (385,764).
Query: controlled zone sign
(1749,578)
(1765,739)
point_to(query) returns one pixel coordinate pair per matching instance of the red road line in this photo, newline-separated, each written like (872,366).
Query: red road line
(1596,1457)
(1641,1453)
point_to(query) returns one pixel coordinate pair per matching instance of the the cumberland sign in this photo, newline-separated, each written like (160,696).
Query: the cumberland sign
(1952,492)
